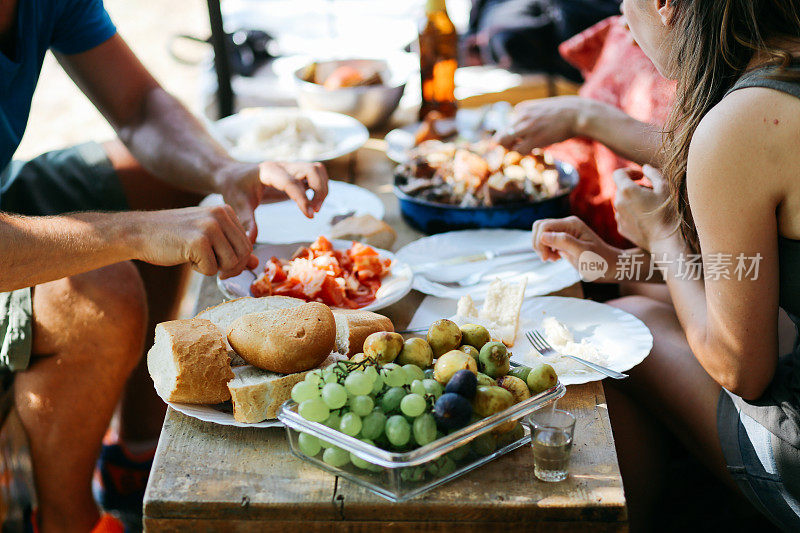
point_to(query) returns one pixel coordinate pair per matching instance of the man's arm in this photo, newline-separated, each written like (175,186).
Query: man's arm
(171,143)
(35,250)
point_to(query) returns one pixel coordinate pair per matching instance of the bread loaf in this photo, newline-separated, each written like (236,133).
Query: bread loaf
(257,394)
(189,362)
(354,326)
(285,341)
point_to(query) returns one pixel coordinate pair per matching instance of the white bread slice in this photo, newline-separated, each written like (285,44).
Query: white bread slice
(366,229)
(257,395)
(189,362)
(354,326)
(501,309)
(224,314)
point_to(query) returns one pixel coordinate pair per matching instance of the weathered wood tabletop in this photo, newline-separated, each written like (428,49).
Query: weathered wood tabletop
(208,477)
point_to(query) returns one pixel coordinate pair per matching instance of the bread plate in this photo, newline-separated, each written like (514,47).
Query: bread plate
(221,413)
(393,287)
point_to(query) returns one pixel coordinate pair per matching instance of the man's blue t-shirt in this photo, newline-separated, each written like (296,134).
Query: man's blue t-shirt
(66,26)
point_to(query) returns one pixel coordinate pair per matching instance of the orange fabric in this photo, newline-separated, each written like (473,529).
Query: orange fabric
(108,524)
(617,72)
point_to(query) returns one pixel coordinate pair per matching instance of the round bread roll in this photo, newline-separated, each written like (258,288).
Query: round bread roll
(286,340)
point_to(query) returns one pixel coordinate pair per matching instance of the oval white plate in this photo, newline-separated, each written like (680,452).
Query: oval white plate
(394,286)
(217,415)
(543,278)
(347,133)
(283,223)
(620,336)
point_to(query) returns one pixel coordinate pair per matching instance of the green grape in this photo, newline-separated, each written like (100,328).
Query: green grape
(398,430)
(459,453)
(333,421)
(418,388)
(361,405)
(484,445)
(372,425)
(314,377)
(433,387)
(325,444)
(393,375)
(413,372)
(359,462)
(314,410)
(412,473)
(424,429)
(377,385)
(357,383)
(372,373)
(428,373)
(392,398)
(350,424)
(413,405)
(442,466)
(336,456)
(304,390)
(308,444)
(334,395)
(330,377)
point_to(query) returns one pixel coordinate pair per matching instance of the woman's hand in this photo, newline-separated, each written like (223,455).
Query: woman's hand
(642,212)
(570,238)
(244,187)
(539,123)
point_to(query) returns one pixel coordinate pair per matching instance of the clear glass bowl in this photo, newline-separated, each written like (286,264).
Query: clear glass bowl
(398,476)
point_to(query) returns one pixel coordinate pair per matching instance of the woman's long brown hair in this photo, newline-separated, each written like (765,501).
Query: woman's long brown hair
(714,42)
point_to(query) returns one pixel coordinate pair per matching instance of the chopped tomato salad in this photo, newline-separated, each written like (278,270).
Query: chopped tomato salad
(339,278)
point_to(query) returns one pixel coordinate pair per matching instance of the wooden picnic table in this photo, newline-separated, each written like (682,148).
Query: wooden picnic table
(208,477)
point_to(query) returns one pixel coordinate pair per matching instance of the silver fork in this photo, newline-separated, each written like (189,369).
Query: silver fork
(541,345)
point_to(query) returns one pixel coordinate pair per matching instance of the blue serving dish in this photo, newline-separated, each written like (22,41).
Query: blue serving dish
(434,217)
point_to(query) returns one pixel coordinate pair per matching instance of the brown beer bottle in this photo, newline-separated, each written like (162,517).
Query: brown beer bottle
(438,55)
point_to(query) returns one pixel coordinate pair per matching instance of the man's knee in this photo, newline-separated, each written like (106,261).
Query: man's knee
(102,311)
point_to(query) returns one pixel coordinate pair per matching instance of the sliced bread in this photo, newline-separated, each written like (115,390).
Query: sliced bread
(189,362)
(354,326)
(224,314)
(257,394)
(366,229)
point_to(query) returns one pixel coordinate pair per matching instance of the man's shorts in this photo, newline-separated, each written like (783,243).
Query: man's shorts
(80,178)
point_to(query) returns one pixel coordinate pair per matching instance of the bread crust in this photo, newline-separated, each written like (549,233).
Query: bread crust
(287,340)
(199,352)
(359,325)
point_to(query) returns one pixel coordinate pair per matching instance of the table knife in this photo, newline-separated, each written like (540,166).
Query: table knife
(472,258)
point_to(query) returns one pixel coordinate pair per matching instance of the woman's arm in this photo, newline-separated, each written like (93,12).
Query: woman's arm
(737,167)
(540,123)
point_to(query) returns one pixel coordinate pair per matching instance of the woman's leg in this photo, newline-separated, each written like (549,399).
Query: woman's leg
(669,389)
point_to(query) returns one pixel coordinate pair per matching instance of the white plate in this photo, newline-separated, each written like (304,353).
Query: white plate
(283,223)
(543,278)
(395,285)
(347,133)
(620,336)
(400,140)
(218,414)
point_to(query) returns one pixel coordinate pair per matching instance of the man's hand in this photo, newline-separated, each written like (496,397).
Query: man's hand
(246,186)
(210,239)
